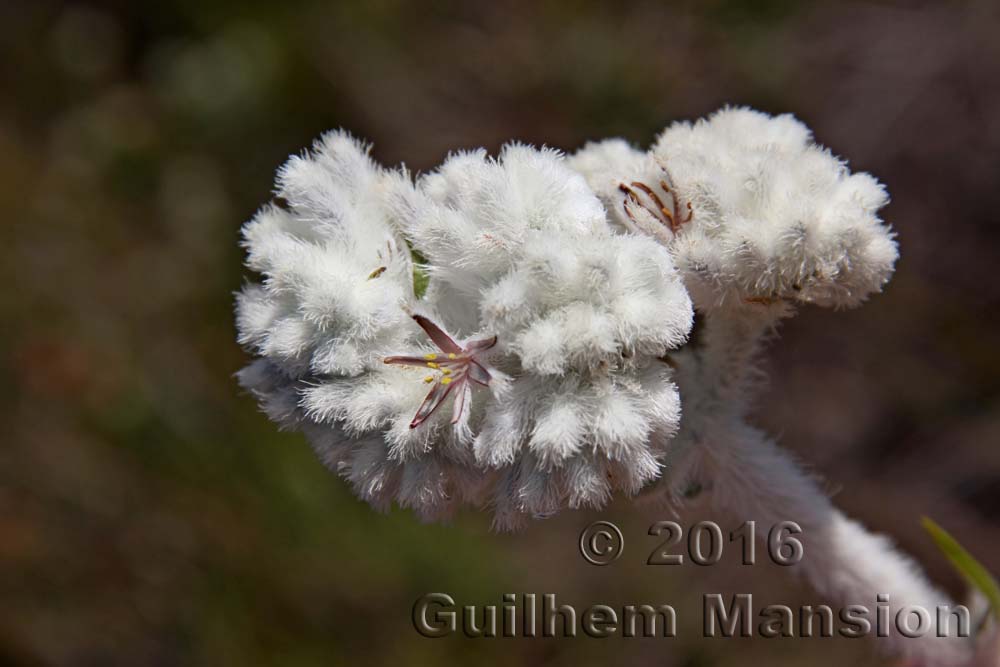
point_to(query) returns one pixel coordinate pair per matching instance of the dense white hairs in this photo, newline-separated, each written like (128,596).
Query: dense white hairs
(773,215)
(578,405)
(336,281)
(554,327)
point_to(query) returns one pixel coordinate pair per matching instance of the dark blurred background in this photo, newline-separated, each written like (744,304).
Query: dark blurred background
(150,515)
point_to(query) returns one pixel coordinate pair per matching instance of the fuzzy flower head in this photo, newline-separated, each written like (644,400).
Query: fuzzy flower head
(527,377)
(752,209)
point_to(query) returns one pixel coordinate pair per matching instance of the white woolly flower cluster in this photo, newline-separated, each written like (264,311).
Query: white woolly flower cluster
(752,208)
(541,329)
(537,371)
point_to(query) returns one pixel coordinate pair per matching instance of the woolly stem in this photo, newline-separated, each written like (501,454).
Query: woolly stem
(730,344)
(715,373)
(753,478)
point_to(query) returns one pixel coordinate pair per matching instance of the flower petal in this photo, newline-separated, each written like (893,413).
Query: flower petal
(478,374)
(432,402)
(437,334)
(460,399)
(480,345)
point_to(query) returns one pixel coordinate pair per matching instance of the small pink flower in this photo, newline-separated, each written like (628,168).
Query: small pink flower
(455,367)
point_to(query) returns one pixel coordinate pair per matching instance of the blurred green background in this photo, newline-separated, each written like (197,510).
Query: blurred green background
(150,515)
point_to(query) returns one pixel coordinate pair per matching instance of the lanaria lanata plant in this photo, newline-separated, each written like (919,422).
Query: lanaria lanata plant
(547,357)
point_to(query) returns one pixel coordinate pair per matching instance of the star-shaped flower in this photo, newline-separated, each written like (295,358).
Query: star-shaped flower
(454,367)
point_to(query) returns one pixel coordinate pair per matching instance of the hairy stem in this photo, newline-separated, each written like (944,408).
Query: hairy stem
(751,478)
(755,479)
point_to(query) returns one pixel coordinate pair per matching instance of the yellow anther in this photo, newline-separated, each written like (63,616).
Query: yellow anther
(452,355)
(429,379)
(430,357)
(445,380)
(431,364)
(446,371)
